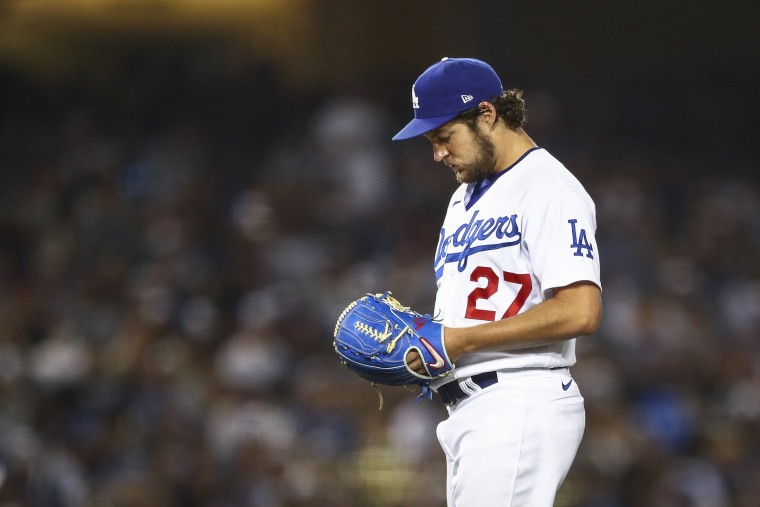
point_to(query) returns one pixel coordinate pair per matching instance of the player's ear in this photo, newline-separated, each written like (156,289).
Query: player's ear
(487,113)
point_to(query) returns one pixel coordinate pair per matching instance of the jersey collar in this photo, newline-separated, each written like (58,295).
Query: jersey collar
(479,188)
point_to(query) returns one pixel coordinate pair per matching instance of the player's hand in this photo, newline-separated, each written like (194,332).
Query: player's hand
(414,361)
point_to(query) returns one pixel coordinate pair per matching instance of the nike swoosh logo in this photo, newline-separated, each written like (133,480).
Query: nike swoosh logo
(565,387)
(456,202)
(439,361)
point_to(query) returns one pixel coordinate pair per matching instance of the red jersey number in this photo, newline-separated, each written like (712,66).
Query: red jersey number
(491,288)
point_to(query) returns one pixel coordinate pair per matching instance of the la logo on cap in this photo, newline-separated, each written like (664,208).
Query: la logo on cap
(415,100)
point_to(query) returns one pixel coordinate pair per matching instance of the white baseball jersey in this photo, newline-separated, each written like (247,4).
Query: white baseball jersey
(505,244)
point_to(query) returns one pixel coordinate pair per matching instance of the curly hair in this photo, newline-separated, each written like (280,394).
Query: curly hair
(510,106)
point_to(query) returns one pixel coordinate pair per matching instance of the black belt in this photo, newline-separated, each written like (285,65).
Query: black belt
(451,393)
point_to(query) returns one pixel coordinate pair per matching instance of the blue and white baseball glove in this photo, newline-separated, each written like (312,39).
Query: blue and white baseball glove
(374,334)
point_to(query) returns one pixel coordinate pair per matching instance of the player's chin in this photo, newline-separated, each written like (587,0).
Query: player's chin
(464,176)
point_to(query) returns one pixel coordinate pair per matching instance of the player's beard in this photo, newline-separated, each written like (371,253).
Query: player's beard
(484,163)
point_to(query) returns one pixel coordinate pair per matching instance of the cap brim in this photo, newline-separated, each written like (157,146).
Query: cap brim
(419,126)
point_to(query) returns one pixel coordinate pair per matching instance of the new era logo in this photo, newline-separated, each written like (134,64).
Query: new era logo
(467,98)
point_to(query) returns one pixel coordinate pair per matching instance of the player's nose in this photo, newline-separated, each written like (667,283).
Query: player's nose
(439,153)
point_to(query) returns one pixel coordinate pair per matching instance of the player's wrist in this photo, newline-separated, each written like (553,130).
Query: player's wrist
(452,338)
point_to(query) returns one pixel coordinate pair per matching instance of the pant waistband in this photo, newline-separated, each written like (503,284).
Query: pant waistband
(451,392)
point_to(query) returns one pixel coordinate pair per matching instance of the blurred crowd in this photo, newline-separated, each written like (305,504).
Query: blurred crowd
(174,254)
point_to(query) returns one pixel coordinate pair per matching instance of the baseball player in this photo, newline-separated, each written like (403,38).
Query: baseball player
(517,270)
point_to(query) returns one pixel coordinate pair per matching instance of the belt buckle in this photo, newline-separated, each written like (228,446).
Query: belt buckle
(451,392)
(443,393)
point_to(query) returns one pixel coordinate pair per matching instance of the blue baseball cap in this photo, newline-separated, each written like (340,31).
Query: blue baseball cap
(446,89)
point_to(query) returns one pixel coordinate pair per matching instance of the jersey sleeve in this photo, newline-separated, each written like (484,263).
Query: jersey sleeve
(560,239)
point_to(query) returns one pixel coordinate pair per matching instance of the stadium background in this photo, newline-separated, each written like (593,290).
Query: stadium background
(191,191)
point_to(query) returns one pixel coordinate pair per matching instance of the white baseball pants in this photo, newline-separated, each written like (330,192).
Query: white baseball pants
(512,443)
